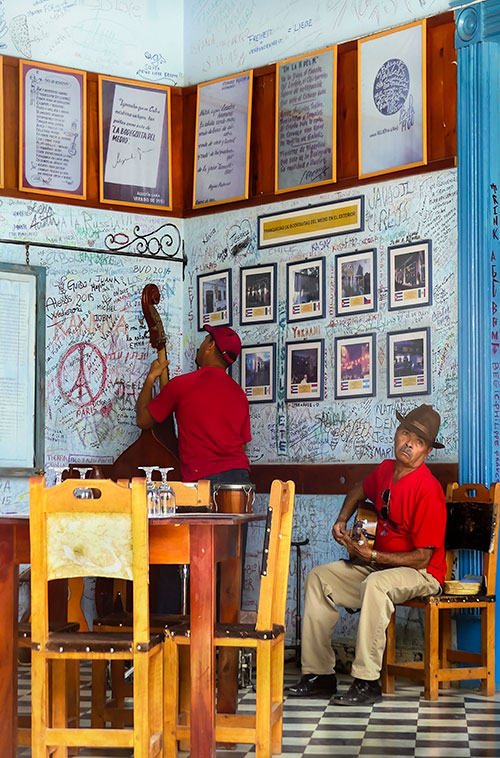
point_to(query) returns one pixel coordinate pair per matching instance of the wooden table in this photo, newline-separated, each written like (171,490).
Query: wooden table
(198,539)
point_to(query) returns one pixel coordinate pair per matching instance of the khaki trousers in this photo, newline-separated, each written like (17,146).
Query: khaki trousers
(375,592)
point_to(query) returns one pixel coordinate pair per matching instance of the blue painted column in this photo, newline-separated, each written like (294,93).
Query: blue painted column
(478,146)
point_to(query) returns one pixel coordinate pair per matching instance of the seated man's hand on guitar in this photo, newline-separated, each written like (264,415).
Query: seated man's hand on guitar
(357,548)
(339,529)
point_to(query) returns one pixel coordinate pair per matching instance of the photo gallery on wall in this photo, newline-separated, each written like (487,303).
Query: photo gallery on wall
(355,292)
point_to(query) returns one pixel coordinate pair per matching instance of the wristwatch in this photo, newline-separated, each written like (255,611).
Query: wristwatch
(373,559)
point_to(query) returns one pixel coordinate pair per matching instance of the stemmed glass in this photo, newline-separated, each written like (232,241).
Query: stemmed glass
(167,494)
(84,493)
(57,472)
(152,490)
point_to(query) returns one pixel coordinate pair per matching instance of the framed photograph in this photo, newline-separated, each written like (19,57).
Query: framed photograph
(355,374)
(408,369)
(305,290)
(135,159)
(53,126)
(214,299)
(305,370)
(356,290)
(410,275)
(258,372)
(392,113)
(258,294)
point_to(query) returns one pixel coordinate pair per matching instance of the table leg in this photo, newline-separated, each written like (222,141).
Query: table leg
(230,593)
(8,642)
(202,570)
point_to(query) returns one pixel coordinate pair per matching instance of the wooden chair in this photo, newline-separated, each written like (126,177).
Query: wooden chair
(114,709)
(472,525)
(266,636)
(104,536)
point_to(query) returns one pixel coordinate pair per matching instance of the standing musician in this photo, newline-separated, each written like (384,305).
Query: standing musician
(407,560)
(211,411)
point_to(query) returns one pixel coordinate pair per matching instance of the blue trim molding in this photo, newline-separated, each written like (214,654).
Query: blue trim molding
(477,36)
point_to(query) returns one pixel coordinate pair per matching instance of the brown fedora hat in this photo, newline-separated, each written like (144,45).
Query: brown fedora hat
(423,421)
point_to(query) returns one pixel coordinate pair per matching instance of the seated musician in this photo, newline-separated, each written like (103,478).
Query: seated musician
(210,408)
(407,560)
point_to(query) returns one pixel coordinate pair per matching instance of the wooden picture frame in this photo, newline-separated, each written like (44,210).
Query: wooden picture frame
(306,120)
(222,142)
(135,143)
(392,100)
(60,126)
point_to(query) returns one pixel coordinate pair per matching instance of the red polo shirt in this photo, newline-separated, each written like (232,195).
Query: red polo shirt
(416,513)
(213,421)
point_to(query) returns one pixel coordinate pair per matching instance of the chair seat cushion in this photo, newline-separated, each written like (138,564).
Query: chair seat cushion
(450,599)
(96,642)
(237,631)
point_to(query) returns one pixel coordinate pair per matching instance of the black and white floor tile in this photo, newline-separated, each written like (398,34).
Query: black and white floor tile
(461,724)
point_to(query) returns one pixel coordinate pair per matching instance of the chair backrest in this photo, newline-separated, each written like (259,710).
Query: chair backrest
(472,524)
(274,584)
(103,536)
(193,494)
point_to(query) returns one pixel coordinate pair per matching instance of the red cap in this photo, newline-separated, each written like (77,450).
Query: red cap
(226,340)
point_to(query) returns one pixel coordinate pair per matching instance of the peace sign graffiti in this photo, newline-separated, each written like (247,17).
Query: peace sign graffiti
(81,375)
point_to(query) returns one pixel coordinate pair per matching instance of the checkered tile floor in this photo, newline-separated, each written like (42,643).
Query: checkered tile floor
(461,724)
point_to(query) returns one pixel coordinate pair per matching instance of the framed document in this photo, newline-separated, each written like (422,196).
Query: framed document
(306,110)
(135,163)
(53,134)
(408,369)
(22,381)
(305,370)
(392,114)
(258,368)
(355,374)
(222,148)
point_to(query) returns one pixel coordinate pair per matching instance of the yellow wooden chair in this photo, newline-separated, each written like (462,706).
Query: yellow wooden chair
(195,496)
(103,536)
(472,525)
(266,636)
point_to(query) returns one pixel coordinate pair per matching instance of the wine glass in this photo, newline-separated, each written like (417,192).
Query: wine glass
(152,491)
(167,494)
(57,472)
(84,493)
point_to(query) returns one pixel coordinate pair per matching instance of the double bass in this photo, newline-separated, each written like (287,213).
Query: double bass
(156,446)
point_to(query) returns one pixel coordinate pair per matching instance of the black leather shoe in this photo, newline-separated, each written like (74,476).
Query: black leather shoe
(311,685)
(361,692)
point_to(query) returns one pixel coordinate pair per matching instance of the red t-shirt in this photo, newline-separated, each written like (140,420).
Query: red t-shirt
(416,517)
(213,421)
